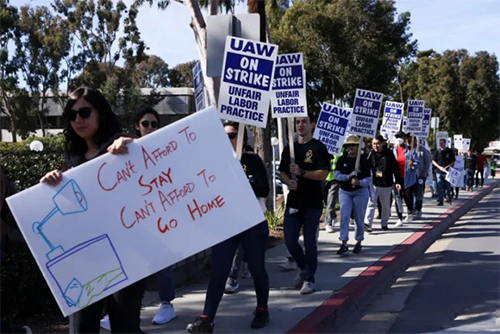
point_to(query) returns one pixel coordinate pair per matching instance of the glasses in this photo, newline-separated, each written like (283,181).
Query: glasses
(145,124)
(351,146)
(84,113)
(232,135)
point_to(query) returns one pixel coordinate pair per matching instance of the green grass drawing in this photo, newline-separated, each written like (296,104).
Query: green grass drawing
(96,287)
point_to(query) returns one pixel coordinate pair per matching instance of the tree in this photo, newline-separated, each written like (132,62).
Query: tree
(153,73)
(182,75)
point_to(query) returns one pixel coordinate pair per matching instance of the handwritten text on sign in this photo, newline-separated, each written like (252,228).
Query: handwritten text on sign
(117,219)
(366,112)
(247,75)
(393,115)
(289,91)
(331,127)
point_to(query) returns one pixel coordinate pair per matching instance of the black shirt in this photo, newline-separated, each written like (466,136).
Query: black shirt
(444,157)
(256,172)
(310,156)
(384,167)
(345,165)
(471,162)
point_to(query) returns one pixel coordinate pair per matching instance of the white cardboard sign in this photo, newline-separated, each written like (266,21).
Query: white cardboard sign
(465,144)
(247,76)
(415,116)
(393,115)
(458,142)
(441,135)
(199,90)
(331,128)
(366,112)
(289,87)
(117,219)
(426,124)
(453,176)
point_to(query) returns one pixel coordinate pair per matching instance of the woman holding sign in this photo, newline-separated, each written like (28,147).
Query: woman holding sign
(254,242)
(92,129)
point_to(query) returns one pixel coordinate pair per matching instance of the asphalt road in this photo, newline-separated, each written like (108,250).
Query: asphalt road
(453,288)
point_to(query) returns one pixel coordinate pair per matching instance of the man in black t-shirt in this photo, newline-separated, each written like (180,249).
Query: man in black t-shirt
(443,160)
(305,200)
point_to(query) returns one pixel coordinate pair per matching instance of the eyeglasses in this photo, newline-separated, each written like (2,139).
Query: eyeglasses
(232,135)
(145,124)
(84,113)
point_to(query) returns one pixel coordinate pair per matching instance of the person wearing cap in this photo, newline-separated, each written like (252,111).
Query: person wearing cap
(425,158)
(384,171)
(353,194)
(408,162)
(443,160)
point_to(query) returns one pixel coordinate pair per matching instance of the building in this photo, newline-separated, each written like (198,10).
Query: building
(176,104)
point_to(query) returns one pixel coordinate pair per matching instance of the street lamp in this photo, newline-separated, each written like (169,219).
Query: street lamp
(274,143)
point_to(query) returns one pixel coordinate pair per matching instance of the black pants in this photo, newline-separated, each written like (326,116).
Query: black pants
(477,178)
(407,194)
(124,310)
(254,242)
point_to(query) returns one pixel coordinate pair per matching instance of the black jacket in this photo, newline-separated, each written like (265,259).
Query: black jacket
(256,172)
(384,164)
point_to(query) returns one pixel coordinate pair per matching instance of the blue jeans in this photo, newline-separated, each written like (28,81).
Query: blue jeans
(349,200)
(309,220)
(469,178)
(166,284)
(444,187)
(419,193)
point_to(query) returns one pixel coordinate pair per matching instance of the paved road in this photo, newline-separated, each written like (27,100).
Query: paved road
(453,288)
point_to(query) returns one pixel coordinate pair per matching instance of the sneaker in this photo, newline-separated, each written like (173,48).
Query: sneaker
(246,272)
(105,323)
(385,228)
(334,222)
(448,200)
(329,228)
(288,265)
(357,249)
(307,288)
(343,250)
(368,228)
(260,320)
(299,279)
(201,325)
(418,215)
(399,223)
(231,285)
(440,204)
(409,218)
(164,314)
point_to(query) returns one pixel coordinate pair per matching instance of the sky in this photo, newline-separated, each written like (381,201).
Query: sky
(438,24)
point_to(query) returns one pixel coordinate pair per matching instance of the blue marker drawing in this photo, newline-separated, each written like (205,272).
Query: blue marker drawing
(95,268)
(68,200)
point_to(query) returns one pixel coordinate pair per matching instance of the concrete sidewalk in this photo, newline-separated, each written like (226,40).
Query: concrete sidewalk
(286,306)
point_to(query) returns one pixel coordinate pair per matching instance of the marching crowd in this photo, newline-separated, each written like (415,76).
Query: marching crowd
(361,182)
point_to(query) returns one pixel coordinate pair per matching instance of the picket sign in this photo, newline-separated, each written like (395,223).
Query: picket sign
(426,124)
(453,176)
(441,135)
(465,144)
(393,116)
(331,128)
(120,218)
(460,167)
(199,90)
(458,142)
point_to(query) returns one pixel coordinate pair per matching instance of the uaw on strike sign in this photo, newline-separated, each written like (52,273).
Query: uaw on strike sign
(366,112)
(331,127)
(247,75)
(289,90)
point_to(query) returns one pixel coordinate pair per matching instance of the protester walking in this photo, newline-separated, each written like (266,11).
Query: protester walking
(331,196)
(443,160)
(253,241)
(425,160)
(384,171)
(408,163)
(305,200)
(481,165)
(470,169)
(92,129)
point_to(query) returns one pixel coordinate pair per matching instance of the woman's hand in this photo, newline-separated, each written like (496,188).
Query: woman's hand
(119,146)
(355,182)
(52,178)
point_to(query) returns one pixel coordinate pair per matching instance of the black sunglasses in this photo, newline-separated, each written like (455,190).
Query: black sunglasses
(83,112)
(145,124)
(232,135)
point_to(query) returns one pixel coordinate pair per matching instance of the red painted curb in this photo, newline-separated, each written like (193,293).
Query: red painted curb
(332,314)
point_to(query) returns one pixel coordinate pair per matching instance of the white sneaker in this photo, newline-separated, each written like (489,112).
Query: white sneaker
(288,265)
(334,222)
(307,288)
(231,285)
(399,223)
(409,218)
(164,314)
(298,281)
(105,323)
(329,228)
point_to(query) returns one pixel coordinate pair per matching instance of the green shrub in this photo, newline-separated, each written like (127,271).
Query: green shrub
(49,144)
(275,221)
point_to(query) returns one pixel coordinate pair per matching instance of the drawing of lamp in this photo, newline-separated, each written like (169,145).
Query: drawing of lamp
(68,200)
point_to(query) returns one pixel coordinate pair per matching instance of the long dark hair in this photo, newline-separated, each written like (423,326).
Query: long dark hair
(143,112)
(109,125)
(236,125)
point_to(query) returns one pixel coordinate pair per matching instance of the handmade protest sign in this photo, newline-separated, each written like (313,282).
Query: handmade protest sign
(465,144)
(366,112)
(414,116)
(199,91)
(117,219)
(457,141)
(393,115)
(426,124)
(331,128)
(246,84)
(453,176)
(289,91)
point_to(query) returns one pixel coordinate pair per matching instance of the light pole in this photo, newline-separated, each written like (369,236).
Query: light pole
(274,143)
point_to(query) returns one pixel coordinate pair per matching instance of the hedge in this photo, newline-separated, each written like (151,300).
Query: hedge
(24,291)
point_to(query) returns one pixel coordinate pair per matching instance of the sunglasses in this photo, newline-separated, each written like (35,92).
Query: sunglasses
(84,113)
(232,135)
(351,146)
(145,124)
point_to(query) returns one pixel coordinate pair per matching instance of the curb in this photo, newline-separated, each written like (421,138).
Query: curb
(333,313)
